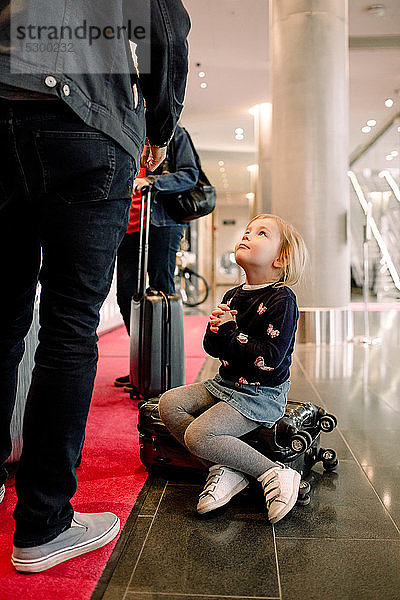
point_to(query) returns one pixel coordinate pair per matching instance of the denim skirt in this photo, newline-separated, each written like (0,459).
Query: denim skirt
(265,405)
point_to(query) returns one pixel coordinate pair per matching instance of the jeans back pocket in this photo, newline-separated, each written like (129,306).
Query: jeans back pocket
(78,166)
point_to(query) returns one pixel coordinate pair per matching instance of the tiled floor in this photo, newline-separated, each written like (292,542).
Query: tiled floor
(344,545)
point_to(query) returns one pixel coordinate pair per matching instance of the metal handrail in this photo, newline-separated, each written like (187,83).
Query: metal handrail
(359,152)
(374,229)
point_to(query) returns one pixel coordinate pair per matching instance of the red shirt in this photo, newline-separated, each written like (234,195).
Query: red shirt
(134,217)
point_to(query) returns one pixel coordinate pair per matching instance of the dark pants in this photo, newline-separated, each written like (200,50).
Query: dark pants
(163,245)
(65,192)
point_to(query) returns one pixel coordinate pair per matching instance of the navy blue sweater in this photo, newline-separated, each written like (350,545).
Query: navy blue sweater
(257,349)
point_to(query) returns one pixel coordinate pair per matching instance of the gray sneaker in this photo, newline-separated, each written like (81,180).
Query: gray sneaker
(88,531)
(2,492)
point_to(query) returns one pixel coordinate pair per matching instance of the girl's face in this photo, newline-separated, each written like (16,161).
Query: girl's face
(259,246)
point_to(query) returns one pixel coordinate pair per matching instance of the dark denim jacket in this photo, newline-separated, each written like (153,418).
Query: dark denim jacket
(102,96)
(170,179)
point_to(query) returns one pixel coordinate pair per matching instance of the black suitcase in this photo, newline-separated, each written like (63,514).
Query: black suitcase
(294,440)
(157,338)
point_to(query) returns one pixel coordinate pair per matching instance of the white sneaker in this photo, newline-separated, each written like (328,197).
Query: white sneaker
(281,487)
(222,484)
(2,492)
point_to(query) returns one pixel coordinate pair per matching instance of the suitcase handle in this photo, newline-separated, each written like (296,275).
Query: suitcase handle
(143,242)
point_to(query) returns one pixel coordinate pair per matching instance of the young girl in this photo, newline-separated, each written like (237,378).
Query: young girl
(252,333)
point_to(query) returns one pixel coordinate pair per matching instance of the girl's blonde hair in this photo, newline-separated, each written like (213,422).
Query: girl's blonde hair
(292,252)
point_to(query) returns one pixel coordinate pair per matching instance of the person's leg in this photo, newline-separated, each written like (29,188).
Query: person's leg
(82,210)
(214,435)
(20,261)
(180,406)
(127,273)
(164,243)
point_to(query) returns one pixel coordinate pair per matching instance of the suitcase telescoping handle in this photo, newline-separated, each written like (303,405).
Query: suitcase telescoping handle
(143,241)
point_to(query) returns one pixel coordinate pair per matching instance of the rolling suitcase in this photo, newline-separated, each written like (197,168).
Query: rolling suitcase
(157,446)
(294,440)
(156,325)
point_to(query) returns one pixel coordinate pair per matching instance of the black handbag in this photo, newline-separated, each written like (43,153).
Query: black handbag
(195,203)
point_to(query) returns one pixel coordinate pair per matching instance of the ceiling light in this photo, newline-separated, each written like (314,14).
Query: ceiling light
(365,129)
(239,130)
(389,102)
(371,122)
(394,153)
(203,85)
(202,74)
(398,129)
(377,10)
(239,136)
(389,157)
(221,163)
(222,169)
(252,168)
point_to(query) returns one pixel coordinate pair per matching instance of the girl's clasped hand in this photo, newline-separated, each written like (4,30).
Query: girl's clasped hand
(220,315)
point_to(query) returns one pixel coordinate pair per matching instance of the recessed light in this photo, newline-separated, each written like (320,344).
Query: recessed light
(202,74)
(377,10)
(221,163)
(371,122)
(239,136)
(394,153)
(365,129)
(389,102)
(389,157)
(222,169)
(203,85)
(239,130)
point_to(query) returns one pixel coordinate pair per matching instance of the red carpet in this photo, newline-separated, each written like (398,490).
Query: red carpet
(110,478)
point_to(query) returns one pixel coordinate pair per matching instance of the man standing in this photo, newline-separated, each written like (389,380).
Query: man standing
(72,129)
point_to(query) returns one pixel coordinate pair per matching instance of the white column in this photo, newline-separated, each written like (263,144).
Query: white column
(262,134)
(309,78)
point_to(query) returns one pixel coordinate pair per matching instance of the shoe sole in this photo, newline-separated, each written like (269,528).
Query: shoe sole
(238,488)
(2,493)
(38,565)
(290,504)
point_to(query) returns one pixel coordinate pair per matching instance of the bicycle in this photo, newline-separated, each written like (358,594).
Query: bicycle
(192,287)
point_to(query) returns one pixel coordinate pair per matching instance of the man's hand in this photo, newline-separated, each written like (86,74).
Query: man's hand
(139,183)
(221,314)
(154,158)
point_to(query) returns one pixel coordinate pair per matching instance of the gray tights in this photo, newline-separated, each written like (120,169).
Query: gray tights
(210,428)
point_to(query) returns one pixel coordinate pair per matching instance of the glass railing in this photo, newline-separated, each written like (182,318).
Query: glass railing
(375,214)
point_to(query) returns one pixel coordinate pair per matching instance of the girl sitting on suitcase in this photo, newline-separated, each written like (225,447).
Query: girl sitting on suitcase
(252,332)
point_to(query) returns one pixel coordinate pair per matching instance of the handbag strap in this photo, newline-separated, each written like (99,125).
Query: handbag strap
(202,176)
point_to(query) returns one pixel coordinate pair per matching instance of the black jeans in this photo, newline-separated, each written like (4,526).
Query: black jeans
(65,192)
(163,245)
